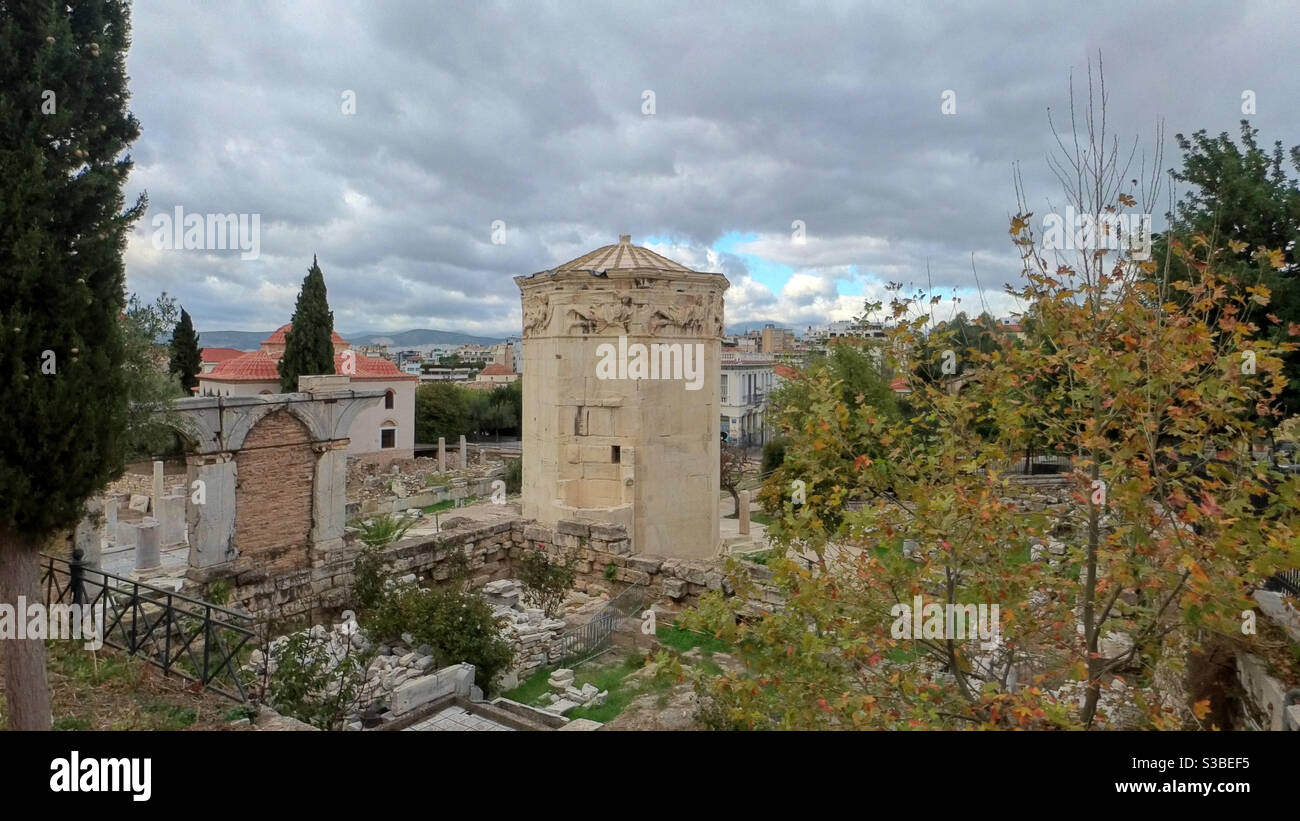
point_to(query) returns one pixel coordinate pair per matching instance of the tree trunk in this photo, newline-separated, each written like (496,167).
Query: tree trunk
(1092,630)
(735,497)
(27,691)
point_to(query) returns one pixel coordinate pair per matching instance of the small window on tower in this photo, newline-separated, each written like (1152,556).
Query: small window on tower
(615,454)
(387,438)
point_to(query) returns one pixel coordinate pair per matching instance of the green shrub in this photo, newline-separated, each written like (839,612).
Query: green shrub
(307,685)
(218,592)
(611,571)
(243,711)
(71,723)
(368,580)
(381,529)
(456,624)
(773,454)
(514,475)
(546,583)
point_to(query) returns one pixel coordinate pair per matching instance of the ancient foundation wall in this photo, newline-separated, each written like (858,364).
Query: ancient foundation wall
(491,549)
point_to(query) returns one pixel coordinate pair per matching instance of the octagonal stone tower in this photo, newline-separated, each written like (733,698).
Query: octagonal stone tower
(621,398)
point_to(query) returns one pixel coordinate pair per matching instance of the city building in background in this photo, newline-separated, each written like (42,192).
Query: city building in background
(747,380)
(379,433)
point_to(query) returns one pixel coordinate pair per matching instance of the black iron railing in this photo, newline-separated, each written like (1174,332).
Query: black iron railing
(1285,582)
(191,638)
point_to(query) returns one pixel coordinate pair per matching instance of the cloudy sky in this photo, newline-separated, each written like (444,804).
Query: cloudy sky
(388,138)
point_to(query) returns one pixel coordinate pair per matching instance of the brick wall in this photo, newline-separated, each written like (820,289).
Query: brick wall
(273,494)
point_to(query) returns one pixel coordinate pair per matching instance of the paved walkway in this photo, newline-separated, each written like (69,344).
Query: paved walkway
(120,561)
(456,719)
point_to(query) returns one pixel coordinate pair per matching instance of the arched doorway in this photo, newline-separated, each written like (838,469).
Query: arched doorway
(274,471)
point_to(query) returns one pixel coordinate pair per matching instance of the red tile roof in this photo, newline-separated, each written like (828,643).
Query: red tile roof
(260,366)
(219,354)
(496,370)
(277,336)
(786,372)
(374,368)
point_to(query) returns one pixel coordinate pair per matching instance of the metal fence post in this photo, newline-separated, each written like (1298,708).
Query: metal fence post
(207,641)
(76,575)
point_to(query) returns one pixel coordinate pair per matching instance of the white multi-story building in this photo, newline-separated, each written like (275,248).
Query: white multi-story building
(438,374)
(477,354)
(817,336)
(747,381)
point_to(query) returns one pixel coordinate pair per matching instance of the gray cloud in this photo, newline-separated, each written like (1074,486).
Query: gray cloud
(531,114)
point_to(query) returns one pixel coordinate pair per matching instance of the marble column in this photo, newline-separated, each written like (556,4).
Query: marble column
(210,508)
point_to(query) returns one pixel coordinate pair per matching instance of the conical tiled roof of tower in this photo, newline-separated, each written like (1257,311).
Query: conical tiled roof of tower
(623,255)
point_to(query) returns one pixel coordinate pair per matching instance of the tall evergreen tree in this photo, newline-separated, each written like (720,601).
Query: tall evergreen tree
(309,344)
(64,127)
(185,357)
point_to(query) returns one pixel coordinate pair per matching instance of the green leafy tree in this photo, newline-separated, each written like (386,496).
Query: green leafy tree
(1240,198)
(851,373)
(442,409)
(509,402)
(151,421)
(186,360)
(63,225)
(481,418)
(309,343)
(1160,547)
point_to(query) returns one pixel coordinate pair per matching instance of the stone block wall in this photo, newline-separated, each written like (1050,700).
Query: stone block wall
(491,550)
(452,488)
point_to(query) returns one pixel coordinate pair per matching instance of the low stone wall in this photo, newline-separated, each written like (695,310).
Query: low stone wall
(1266,694)
(326,586)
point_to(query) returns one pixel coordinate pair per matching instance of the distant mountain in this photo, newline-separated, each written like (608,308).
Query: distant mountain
(742,328)
(239,340)
(252,340)
(419,336)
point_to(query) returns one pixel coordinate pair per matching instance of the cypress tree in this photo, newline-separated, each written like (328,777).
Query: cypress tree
(64,126)
(185,357)
(309,344)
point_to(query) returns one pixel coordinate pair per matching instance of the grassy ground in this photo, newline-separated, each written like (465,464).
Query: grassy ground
(684,641)
(610,673)
(601,672)
(449,504)
(531,688)
(109,690)
(612,677)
